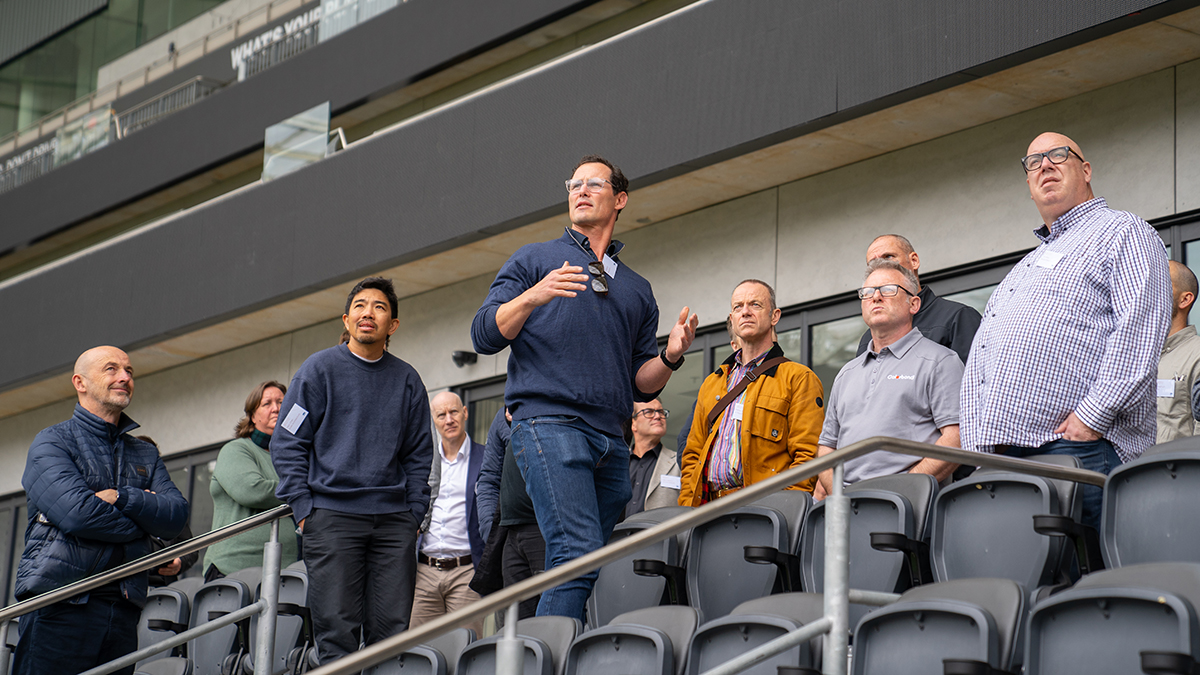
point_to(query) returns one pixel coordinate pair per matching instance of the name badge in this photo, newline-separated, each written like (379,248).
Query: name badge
(737,409)
(1049,259)
(294,418)
(1166,388)
(670,482)
(610,266)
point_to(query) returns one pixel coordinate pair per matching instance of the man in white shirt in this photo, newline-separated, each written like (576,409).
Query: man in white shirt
(450,544)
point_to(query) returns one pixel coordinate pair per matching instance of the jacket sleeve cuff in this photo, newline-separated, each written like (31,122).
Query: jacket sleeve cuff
(301,508)
(122,498)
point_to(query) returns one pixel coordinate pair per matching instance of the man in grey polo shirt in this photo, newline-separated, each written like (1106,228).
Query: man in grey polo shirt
(904,386)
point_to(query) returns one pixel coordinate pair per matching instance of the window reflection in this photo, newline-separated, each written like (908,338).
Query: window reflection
(481,414)
(976,297)
(680,394)
(834,344)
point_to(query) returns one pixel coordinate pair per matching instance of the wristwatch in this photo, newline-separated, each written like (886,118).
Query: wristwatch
(673,366)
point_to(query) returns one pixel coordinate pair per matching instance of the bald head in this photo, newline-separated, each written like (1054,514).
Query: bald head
(897,249)
(450,417)
(1184,290)
(103,379)
(1058,188)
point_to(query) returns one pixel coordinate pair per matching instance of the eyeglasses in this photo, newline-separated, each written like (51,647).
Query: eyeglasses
(599,280)
(886,290)
(593,184)
(1055,155)
(650,413)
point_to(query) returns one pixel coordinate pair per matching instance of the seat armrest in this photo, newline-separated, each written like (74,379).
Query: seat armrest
(1085,538)
(1168,663)
(916,554)
(164,625)
(674,574)
(787,564)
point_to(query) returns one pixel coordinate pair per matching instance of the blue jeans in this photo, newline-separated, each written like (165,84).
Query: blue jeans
(1098,455)
(578,480)
(65,638)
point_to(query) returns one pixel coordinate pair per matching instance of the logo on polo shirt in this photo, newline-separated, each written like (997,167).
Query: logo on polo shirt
(901,377)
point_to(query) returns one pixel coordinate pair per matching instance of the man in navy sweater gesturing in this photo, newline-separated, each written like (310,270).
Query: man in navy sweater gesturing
(353,451)
(581,325)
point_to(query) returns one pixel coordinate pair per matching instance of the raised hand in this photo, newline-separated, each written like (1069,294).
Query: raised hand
(682,334)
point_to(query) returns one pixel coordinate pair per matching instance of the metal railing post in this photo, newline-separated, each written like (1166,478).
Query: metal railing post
(264,649)
(510,651)
(837,576)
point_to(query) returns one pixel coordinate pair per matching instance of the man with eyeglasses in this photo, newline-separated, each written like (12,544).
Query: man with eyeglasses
(581,328)
(653,471)
(904,386)
(1065,358)
(759,414)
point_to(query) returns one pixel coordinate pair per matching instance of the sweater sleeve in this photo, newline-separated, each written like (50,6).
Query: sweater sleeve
(512,280)
(645,348)
(291,448)
(416,449)
(243,478)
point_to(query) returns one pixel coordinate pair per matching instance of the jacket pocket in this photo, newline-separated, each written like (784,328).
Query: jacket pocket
(769,419)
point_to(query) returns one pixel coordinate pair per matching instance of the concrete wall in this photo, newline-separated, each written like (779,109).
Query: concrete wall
(959,198)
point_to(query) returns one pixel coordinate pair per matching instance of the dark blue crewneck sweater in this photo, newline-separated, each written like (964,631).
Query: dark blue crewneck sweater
(574,356)
(365,445)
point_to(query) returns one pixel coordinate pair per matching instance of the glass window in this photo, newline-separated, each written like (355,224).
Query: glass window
(679,396)
(6,535)
(481,413)
(834,344)
(976,298)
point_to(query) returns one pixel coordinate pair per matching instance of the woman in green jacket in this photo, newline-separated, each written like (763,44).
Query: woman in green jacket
(243,484)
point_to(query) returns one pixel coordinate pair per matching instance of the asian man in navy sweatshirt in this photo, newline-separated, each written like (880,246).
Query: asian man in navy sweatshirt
(353,450)
(582,326)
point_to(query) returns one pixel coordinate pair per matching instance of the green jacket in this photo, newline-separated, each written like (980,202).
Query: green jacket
(243,484)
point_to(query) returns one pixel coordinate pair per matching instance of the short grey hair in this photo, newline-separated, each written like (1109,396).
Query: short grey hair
(770,291)
(910,279)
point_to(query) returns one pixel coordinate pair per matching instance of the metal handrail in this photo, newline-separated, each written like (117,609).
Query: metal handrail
(152,561)
(397,644)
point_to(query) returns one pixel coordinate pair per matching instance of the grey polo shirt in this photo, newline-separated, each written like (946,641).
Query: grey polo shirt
(908,390)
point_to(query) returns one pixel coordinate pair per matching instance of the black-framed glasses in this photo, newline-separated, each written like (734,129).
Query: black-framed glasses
(1055,155)
(886,290)
(599,279)
(650,413)
(593,184)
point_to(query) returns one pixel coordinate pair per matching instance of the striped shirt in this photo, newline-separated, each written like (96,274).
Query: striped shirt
(1077,325)
(725,458)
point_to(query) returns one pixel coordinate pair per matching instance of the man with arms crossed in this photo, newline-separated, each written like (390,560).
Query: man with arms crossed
(1065,358)
(581,325)
(905,385)
(353,451)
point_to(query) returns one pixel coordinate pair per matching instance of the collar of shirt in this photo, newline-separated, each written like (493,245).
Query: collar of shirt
(652,453)
(898,348)
(1178,337)
(1070,218)
(464,450)
(614,247)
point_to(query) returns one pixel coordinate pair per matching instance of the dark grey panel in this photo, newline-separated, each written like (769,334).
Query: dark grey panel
(714,80)
(26,23)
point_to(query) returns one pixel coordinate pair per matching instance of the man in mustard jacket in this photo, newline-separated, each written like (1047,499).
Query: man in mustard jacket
(744,434)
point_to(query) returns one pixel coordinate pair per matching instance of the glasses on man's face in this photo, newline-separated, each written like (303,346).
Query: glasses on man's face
(1055,155)
(599,280)
(886,290)
(593,184)
(650,413)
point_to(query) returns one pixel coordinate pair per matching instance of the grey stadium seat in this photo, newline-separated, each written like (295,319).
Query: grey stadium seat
(719,577)
(169,666)
(547,640)
(1151,506)
(972,621)
(651,641)
(436,657)
(753,624)
(293,623)
(619,589)
(167,613)
(1112,621)
(215,598)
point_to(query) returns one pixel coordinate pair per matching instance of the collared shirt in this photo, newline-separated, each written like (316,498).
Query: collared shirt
(1178,373)
(641,472)
(1077,325)
(447,535)
(946,322)
(725,459)
(907,390)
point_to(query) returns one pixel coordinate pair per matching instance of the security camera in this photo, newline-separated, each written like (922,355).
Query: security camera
(464,358)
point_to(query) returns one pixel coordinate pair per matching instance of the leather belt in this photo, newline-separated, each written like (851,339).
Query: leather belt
(717,494)
(444,563)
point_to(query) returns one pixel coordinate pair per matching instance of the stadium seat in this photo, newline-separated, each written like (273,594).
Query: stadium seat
(649,641)
(803,608)
(167,613)
(961,626)
(753,624)
(293,623)
(214,599)
(719,577)
(1151,506)
(547,640)
(436,657)
(1138,618)
(895,506)
(619,589)
(168,666)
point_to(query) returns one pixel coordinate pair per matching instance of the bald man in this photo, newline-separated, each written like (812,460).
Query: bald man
(1065,359)
(96,496)
(450,542)
(1179,368)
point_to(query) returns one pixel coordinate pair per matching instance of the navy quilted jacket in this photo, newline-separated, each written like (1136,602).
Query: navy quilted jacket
(72,533)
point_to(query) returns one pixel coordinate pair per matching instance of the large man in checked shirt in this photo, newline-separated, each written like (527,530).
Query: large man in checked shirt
(1065,359)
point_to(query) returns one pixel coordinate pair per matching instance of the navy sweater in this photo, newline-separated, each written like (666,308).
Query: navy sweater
(574,356)
(365,445)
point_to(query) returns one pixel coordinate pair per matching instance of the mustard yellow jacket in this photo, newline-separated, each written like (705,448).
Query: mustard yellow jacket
(782,417)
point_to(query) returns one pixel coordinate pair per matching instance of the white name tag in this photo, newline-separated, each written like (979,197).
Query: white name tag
(1049,259)
(610,266)
(1166,388)
(737,409)
(294,419)
(670,482)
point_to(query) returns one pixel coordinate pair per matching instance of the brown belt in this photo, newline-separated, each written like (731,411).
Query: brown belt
(444,563)
(717,494)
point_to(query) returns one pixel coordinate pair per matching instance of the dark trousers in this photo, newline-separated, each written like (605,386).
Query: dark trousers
(524,556)
(361,574)
(63,639)
(1098,455)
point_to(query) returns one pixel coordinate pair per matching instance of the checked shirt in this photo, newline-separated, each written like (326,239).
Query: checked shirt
(1077,325)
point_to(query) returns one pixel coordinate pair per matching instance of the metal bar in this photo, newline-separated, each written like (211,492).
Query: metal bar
(4,650)
(837,575)
(395,645)
(780,644)
(510,651)
(174,641)
(873,598)
(152,561)
(264,649)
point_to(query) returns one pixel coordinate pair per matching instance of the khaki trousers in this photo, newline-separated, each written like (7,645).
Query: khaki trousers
(440,592)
